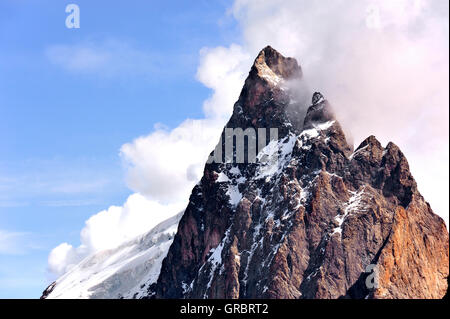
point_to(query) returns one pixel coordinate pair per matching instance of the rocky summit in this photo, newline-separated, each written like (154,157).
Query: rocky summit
(315,219)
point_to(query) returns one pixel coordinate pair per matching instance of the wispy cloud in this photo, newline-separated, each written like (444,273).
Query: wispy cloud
(111,58)
(32,184)
(58,183)
(82,186)
(55,176)
(13,243)
(9,203)
(70,203)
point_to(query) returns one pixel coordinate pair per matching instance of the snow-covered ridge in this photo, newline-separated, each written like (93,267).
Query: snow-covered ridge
(122,272)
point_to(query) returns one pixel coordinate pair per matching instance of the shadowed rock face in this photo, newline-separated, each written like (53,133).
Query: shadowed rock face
(311,220)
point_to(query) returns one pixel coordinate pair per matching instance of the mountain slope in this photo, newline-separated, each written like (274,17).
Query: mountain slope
(311,218)
(122,272)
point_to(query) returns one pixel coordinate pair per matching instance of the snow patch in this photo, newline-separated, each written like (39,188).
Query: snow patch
(222,178)
(276,154)
(315,131)
(214,260)
(362,149)
(353,203)
(234,194)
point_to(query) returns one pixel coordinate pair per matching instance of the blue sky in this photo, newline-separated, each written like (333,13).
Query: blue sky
(61,125)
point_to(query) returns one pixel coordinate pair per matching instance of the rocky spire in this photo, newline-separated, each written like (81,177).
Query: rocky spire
(267,78)
(271,94)
(317,98)
(273,67)
(319,112)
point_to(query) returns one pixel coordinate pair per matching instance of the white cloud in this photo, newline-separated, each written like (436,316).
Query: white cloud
(223,70)
(63,257)
(111,227)
(165,165)
(382,14)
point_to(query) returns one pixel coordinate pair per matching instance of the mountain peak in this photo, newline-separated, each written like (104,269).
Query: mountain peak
(317,98)
(270,92)
(320,111)
(274,67)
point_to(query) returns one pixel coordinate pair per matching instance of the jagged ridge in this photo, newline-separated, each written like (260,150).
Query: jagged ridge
(307,223)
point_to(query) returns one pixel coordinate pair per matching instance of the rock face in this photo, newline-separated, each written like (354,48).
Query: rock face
(311,218)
